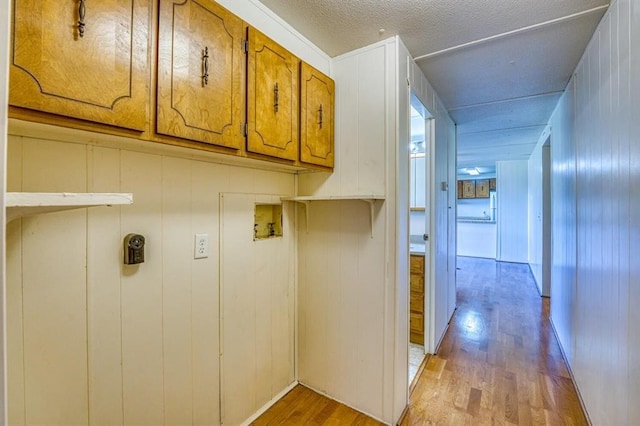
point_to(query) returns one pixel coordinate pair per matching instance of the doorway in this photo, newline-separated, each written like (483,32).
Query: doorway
(420,158)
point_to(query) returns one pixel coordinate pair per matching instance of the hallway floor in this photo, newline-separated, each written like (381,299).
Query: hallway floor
(499,363)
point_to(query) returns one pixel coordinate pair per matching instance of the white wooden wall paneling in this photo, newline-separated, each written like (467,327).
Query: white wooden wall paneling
(205,217)
(512,211)
(14,316)
(630,290)
(54,292)
(257,309)
(593,315)
(5,7)
(104,260)
(177,255)
(142,293)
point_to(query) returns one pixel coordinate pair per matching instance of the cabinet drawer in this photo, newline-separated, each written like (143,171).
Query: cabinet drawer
(416,322)
(417,264)
(416,302)
(417,283)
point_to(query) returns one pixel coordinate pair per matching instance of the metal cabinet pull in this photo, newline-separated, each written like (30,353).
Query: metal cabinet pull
(275,98)
(205,66)
(81,13)
(320,114)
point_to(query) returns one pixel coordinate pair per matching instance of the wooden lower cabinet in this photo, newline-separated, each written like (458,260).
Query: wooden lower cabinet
(416,301)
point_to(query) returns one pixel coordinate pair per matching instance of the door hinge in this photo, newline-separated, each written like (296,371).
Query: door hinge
(245,46)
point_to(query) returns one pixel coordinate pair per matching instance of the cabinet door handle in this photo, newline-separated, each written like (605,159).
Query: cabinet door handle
(275,97)
(320,115)
(82,10)
(205,66)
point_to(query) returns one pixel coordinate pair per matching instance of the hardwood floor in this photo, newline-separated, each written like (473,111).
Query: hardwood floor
(303,406)
(499,363)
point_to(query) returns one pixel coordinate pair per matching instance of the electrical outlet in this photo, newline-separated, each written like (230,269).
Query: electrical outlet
(201,246)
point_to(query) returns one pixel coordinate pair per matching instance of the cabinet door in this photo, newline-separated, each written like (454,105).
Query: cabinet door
(272,98)
(492,184)
(200,63)
(88,60)
(482,188)
(316,117)
(468,189)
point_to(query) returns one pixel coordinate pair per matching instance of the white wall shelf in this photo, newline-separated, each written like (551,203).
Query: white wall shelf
(306,200)
(21,204)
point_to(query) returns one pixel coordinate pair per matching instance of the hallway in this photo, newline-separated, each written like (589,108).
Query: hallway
(499,361)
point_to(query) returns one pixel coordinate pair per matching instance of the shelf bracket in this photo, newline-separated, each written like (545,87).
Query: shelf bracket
(371,203)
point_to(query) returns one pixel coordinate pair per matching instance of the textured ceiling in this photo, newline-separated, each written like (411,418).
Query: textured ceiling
(500,91)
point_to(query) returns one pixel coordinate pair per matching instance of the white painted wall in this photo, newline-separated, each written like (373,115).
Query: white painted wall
(539,214)
(347,279)
(93,341)
(346,289)
(477,239)
(512,211)
(440,292)
(4,100)
(595,275)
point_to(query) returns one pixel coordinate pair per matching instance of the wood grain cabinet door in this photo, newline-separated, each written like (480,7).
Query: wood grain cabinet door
(482,188)
(468,189)
(82,59)
(316,116)
(200,63)
(272,98)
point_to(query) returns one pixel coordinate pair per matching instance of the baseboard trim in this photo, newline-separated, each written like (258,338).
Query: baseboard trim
(573,379)
(269,404)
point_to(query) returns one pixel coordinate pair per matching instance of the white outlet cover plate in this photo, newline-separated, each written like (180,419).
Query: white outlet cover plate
(201,246)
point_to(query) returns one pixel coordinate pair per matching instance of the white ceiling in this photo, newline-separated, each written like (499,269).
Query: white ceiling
(499,66)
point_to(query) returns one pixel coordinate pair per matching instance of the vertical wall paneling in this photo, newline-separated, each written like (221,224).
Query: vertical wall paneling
(106,343)
(177,253)
(257,308)
(563,216)
(539,191)
(142,293)
(104,257)
(595,162)
(54,291)
(14,327)
(4,102)
(340,265)
(205,314)
(629,128)
(512,211)
(400,153)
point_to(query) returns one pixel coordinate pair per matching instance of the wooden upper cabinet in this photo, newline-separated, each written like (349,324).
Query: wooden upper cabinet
(272,98)
(316,117)
(482,188)
(82,59)
(200,69)
(468,189)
